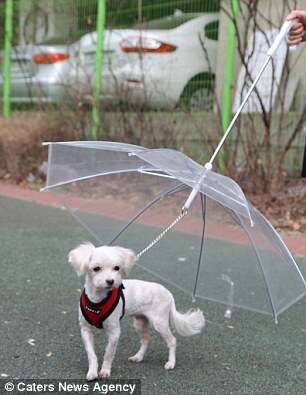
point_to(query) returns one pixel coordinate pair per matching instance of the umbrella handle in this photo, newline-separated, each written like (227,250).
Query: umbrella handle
(281,36)
(196,189)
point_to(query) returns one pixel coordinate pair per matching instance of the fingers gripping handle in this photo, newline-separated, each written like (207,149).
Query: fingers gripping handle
(281,36)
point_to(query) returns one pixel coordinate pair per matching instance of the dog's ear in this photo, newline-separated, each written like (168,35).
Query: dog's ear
(79,257)
(128,258)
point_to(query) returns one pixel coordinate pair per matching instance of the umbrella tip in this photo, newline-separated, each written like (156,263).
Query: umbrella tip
(228,314)
(208,166)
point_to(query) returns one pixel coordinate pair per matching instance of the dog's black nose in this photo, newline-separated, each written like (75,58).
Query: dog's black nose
(109,282)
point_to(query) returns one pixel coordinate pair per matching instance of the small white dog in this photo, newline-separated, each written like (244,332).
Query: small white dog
(106,298)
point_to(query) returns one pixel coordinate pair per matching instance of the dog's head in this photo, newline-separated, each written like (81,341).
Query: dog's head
(104,265)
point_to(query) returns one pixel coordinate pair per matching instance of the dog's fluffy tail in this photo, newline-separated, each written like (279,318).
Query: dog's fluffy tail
(190,323)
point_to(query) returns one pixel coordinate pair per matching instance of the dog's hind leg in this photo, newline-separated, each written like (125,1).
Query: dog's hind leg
(162,327)
(141,324)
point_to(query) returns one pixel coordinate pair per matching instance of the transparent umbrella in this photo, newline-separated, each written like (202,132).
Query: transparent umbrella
(237,259)
(222,249)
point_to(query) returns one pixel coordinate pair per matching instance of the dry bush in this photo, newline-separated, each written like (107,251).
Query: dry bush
(21,137)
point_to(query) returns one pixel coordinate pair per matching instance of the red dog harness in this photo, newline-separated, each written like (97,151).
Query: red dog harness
(96,313)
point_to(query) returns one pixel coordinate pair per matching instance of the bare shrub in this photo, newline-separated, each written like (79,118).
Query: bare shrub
(21,140)
(262,140)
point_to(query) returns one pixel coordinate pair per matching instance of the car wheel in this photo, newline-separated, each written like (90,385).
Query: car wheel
(198,94)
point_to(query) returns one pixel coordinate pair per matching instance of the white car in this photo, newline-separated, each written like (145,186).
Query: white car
(41,73)
(168,61)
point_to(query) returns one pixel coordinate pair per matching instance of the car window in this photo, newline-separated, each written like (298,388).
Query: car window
(169,22)
(212,30)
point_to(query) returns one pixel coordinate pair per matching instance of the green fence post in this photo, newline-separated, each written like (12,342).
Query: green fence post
(226,106)
(7,57)
(99,68)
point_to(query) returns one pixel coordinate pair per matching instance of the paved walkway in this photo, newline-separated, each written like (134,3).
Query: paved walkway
(40,336)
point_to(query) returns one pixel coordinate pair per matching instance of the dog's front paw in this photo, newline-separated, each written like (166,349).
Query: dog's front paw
(104,373)
(169,365)
(92,375)
(136,358)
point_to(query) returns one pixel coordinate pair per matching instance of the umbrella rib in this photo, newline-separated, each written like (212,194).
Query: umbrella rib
(98,145)
(49,167)
(281,242)
(171,191)
(229,197)
(204,207)
(154,173)
(84,178)
(235,216)
(82,223)
(59,184)
(223,194)
(291,303)
(85,226)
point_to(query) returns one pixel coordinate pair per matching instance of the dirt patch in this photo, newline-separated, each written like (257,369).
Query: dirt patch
(286,207)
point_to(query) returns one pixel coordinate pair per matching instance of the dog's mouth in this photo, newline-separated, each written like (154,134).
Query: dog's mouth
(105,288)
(109,287)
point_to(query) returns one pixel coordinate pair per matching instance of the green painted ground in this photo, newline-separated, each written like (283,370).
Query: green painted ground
(39,298)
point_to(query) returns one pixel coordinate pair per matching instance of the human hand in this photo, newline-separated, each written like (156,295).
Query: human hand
(297,33)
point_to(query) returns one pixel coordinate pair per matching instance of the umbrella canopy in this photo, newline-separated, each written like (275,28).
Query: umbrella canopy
(225,250)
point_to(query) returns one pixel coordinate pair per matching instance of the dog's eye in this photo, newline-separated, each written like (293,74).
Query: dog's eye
(96,269)
(117,268)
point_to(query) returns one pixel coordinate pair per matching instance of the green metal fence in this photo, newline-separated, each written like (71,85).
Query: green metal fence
(87,56)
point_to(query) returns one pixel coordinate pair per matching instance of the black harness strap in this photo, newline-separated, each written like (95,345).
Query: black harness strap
(123,300)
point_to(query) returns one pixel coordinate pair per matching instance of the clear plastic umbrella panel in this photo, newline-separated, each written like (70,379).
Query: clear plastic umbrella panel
(208,240)
(222,249)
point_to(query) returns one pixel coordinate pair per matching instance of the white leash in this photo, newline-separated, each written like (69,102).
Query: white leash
(163,233)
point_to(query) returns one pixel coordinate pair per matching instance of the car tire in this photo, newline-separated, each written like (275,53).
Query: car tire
(198,94)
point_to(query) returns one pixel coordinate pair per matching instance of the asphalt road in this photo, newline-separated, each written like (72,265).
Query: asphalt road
(40,335)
